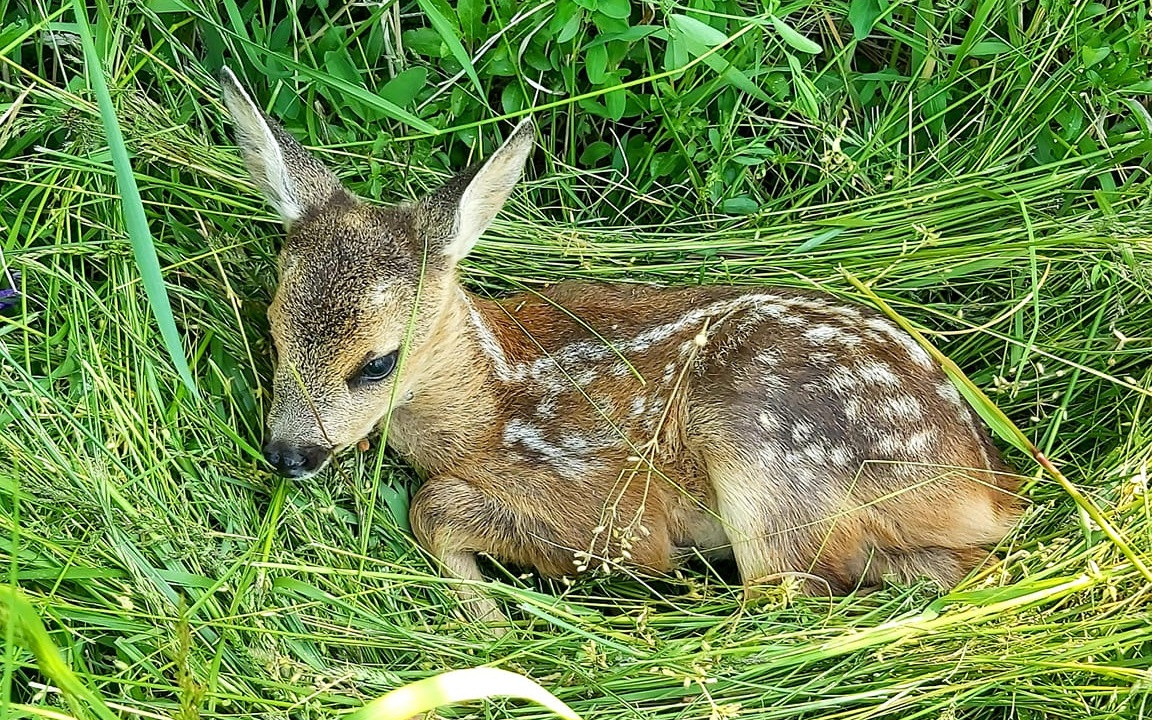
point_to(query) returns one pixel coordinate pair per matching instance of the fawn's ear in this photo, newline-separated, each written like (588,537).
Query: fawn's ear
(454,217)
(292,180)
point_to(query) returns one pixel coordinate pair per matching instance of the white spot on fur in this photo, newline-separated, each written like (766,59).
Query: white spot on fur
(571,456)
(768,357)
(769,421)
(807,303)
(902,407)
(772,382)
(826,334)
(814,452)
(840,456)
(922,442)
(801,432)
(918,354)
(917,445)
(531,437)
(489,345)
(963,413)
(949,392)
(842,380)
(877,373)
(852,408)
(639,403)
(820,358)
(845,311)
(821,334)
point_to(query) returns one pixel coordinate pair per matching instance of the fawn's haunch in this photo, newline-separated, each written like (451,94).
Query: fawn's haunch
(594,424)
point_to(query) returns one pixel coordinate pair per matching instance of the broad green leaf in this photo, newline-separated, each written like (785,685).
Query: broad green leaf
(862,14)
(471,15)
(807,96)
(451,39)
(512,98)
(676,52)
(632,34)
(458,686)
(339,63)
(616,101)
(423,41)
(794,38)
(595,152)
(618,9)
(165,6)
(1092,55)
(741,205)
(571,26)
(596,63)
(403,88)
(701,32)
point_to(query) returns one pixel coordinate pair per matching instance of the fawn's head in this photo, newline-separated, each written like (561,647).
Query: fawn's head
(360,288)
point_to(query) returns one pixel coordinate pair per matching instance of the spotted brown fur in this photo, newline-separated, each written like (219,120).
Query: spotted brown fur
(593,425)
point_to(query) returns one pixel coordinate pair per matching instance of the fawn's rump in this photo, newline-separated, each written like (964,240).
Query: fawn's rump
(837,448)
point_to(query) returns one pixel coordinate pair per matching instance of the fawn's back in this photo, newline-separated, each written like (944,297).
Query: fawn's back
(780,427)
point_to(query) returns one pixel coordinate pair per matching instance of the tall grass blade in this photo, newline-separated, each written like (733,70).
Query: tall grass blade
(447,33)
(17,613)
(134,219)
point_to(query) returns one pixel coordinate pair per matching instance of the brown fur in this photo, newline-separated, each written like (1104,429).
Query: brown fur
(598,424)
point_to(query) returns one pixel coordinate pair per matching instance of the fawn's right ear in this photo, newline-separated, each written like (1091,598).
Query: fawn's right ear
(457,214)
(293,181)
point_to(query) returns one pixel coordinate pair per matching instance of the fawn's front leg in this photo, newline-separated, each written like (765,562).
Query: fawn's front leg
(454,521)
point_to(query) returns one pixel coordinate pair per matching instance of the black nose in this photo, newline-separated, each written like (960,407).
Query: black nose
(294,461)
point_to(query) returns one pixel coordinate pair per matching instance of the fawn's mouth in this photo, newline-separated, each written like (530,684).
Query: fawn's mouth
(374,435)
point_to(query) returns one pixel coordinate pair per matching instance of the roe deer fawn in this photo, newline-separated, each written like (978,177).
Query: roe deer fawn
(610,424)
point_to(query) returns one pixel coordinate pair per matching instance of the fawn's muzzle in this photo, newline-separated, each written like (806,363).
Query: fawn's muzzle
(292,461)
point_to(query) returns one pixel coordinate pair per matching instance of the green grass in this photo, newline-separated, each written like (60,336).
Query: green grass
(984,169)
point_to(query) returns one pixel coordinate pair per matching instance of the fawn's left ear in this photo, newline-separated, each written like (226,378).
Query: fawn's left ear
(292,180)
(453,217)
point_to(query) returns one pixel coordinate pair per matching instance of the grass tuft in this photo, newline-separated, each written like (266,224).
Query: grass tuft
(982,168)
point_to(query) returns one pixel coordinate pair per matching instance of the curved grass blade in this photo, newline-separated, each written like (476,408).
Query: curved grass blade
(699,39)
(18,613)
(459,686)
(447,32)
(794,38)
(135,221)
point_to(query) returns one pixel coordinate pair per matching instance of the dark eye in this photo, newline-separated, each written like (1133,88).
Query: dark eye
(378,369)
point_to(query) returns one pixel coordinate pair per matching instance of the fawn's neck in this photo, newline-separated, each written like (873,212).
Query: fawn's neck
(453,407)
